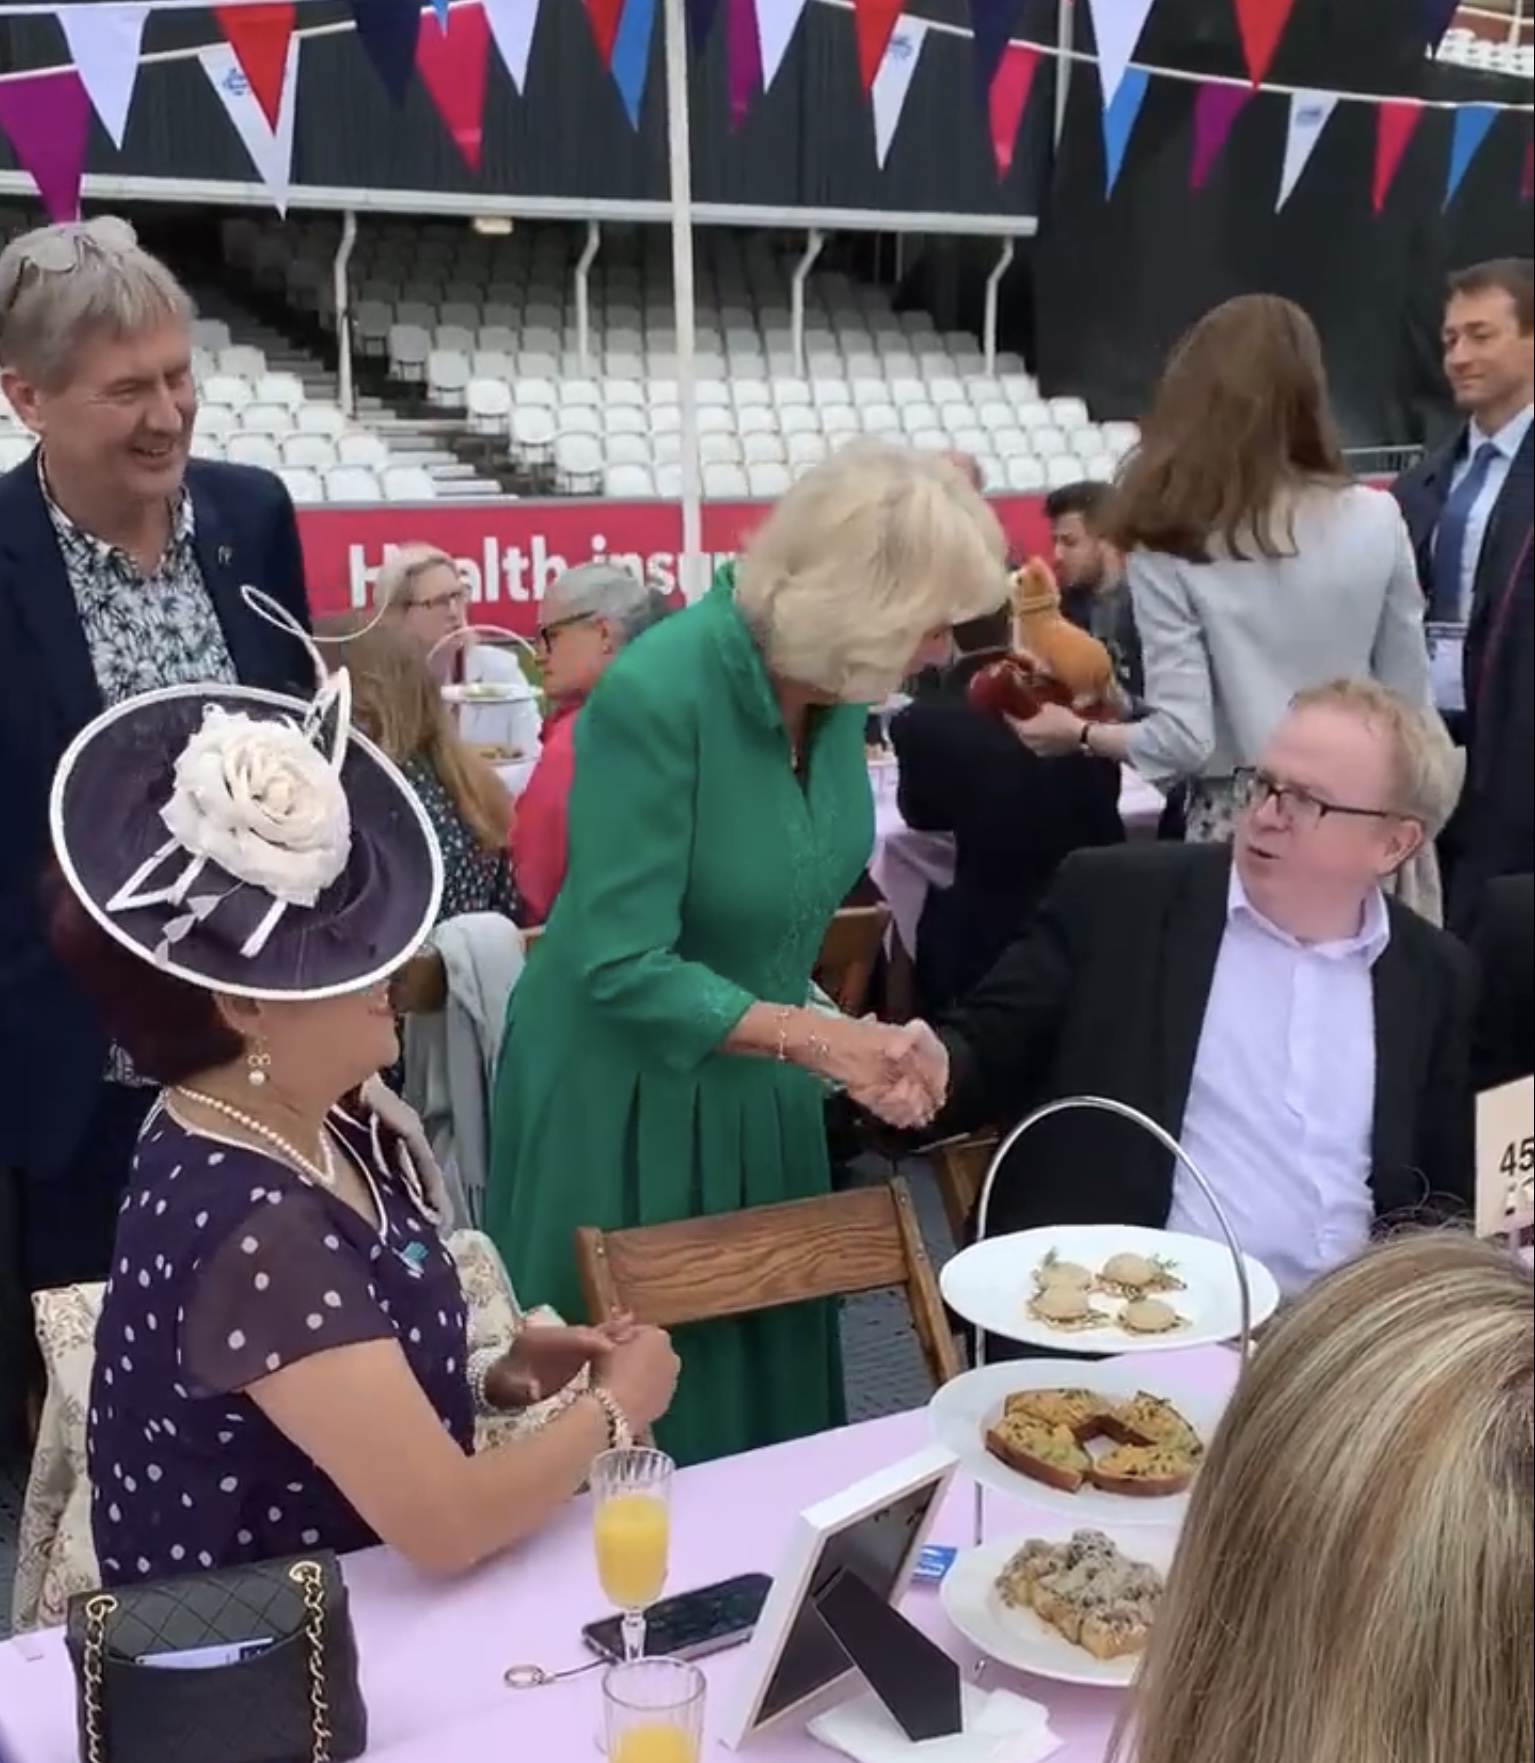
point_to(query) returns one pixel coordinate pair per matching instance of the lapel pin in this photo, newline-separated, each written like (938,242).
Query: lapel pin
(225,555)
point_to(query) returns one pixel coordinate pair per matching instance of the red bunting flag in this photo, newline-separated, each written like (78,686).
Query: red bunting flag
(1261,24)
(604,16)
(47,119)
(1395,121)
(453,64)
(1008,99)
(874,23)
(259,36)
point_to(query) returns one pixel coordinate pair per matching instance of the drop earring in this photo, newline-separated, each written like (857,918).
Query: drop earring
(258,1063)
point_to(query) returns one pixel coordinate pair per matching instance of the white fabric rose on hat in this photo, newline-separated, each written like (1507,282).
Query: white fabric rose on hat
(260,800)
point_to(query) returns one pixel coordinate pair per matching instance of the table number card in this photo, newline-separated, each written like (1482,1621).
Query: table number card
(1505,1159)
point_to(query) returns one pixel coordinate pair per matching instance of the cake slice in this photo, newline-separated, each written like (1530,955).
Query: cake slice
(1048,1454)
(1143,1471)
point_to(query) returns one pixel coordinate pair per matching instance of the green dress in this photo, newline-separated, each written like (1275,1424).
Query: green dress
(701,876)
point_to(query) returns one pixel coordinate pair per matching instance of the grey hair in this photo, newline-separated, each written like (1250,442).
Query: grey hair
(59,282)
(610,592)
(1430,769)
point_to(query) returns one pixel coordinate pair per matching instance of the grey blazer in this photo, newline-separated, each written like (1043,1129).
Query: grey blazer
(1227,644)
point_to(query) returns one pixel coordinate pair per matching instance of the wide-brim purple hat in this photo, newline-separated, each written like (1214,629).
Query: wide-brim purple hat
(247,842)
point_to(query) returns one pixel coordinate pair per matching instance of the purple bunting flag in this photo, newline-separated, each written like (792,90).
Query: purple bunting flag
(743,58)
(47,119)
(388,31)
(991,25)
(701,17)
(1216,108)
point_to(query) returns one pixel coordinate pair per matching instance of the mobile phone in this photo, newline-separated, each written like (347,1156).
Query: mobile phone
(690,1625)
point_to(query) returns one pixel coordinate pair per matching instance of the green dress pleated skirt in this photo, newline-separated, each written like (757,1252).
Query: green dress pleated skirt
(702,873)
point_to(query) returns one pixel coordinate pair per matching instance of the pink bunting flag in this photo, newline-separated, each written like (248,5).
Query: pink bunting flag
(1216,108)
(1395,124)
(743,58)
(1527,176)
(47,119)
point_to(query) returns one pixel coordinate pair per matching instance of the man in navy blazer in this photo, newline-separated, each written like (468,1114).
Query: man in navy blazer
(121,567)
(1469,510)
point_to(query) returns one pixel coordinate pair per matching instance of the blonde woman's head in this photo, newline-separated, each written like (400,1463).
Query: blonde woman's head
(418,589)
(861,571)
(1355,1582)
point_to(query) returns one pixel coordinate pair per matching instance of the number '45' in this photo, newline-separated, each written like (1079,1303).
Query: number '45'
(1518,1159)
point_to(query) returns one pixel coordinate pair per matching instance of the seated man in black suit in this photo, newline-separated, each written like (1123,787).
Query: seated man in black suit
(1014,817)
(1505,949)
(1304,1036)
(121,567)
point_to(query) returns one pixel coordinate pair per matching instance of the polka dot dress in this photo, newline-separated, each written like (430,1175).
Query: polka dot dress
(229,1266)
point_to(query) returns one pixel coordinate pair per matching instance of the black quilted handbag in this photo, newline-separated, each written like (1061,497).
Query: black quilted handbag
(294,1698)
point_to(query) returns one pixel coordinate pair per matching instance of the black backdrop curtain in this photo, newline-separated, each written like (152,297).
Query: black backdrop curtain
(1118,280)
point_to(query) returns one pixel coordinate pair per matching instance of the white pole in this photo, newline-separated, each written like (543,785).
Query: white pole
(692,570)
(1065,37)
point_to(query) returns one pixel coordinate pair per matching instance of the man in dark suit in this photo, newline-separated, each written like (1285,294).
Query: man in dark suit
(1504,946)
(121,568)
(1307,1039)
(1469,510)
(1013,815)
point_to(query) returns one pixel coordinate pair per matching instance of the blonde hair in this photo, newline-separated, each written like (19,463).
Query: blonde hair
(398,704)
(402,569)
(1429,768)
(1354,1579)
(59,282)
(865,555)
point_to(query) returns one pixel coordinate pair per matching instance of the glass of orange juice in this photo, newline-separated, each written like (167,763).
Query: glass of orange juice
(631,1530)
(655,1711)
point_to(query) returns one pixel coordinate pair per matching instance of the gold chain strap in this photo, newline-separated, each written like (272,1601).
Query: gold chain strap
(310,1580)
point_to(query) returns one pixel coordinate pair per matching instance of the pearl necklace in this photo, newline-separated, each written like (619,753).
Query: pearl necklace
(323,1172)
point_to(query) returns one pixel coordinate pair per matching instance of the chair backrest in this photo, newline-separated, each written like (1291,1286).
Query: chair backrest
(739,1263)
(849,951)
(960,1166)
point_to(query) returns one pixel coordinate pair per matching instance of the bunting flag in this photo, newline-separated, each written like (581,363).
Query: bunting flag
(259,36)
(1117,27)
(1396,120)
(874,23)
(1310,113)
(701,16)
(604,16)
(1261,24)
(441,8)
(47,119)
(389,31)
(1437,16)
(991,24)
(892,81)
(777,21)
(453,64)
(1119,116)
(631,54)
(270,146)
(1008,99)
(104,43)
(512,23)
(743,58)
(1473,124)
(1216,108)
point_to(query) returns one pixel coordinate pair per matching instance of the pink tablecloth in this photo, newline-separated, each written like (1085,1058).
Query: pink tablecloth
(433,1656)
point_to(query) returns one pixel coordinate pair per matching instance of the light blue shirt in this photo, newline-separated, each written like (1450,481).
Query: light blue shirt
(1508,440)
(1281,1105)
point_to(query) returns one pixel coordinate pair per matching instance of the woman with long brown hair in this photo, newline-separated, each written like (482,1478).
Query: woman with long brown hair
(398,703)
(1257,567)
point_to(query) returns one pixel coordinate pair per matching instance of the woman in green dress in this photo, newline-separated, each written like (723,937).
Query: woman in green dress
(659,1060)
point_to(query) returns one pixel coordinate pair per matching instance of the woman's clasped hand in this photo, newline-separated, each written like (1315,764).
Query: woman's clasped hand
(635,1363)
(898,1072)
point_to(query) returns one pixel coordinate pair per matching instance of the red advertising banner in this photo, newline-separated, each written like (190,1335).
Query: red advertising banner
(509,551)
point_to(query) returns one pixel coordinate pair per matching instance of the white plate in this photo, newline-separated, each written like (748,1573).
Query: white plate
(1019,1638)
(963,1408)
(991,1283)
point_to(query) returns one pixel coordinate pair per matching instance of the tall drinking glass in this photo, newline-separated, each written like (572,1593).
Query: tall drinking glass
(655,1711)
(631,1530)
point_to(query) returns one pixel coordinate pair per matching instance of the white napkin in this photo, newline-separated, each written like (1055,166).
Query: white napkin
(999,1727)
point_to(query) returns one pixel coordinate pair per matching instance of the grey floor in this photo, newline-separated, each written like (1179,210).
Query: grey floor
(883,1362)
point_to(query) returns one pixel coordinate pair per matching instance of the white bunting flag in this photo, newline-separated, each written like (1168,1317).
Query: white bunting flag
(777,21)
(893,81)
(1310,113)
(270,150)
(1117,27)
(512,23)
(104,44)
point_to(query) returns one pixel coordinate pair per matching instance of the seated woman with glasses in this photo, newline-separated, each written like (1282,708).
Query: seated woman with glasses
(281,1360)
(589,614)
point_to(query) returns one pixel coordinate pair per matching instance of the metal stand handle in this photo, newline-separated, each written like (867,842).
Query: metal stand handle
(1107,1105)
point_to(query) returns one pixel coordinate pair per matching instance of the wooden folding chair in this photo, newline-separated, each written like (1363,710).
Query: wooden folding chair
(960,1166)
(845,966)
(738,1263)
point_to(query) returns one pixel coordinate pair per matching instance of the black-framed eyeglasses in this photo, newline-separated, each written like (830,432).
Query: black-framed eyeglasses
(1254,788)
(556,625)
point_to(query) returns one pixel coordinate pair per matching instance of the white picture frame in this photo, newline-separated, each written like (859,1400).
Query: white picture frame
(925,1478)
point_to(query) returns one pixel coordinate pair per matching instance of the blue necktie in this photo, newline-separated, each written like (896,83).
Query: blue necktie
(1445,605)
